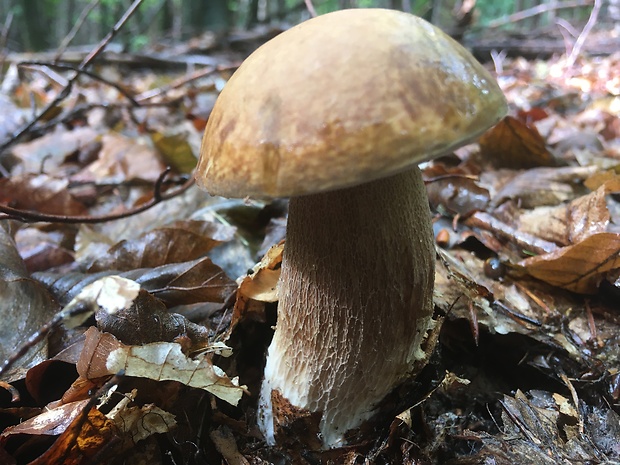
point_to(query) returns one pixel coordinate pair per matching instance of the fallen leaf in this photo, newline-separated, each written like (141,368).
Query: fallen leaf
(579,268)
(25,305)
(179,242)
(104,355)
(176,151)
(543,186)
(40,193)
(513,144)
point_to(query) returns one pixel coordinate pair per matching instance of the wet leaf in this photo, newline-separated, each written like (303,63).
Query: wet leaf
(180,242)
(579,268)
(25,305)
(513,144)
(40,193)
(457,195)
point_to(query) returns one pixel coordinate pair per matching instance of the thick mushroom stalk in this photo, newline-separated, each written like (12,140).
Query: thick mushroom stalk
(355,304)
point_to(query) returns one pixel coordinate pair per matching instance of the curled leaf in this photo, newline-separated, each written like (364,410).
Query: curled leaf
(579,268)
(513,144)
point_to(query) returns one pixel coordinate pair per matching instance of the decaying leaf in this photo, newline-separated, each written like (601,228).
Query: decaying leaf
(539,430)
(84,439)
(513,144)
(136,423)
(51,422)
(262,283)
(51,150)
(25,305)
(579,268)
(104,355)
(122,158)
(109,294)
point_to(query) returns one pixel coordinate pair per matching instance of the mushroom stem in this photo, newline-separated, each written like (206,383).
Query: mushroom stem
(355,305)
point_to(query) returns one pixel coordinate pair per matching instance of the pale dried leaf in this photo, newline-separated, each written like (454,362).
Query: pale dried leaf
(105,355)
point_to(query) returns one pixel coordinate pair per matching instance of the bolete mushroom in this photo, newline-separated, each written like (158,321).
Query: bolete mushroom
(336,113)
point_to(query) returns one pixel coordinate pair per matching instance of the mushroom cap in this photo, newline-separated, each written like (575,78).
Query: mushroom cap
(342,99)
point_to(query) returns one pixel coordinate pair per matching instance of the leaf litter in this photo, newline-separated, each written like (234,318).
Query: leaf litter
(527,280)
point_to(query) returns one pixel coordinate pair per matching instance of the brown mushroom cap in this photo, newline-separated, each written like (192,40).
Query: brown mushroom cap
(307,112)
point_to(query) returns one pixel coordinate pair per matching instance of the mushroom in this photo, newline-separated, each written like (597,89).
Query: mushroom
(336,113)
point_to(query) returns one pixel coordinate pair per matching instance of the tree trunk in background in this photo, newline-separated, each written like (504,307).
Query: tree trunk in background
(203,15)
(252,17)
(33,22)
(613,13)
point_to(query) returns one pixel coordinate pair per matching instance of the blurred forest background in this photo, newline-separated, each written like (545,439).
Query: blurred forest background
(36,25)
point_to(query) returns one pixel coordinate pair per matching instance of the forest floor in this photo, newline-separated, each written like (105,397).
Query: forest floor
(527,226)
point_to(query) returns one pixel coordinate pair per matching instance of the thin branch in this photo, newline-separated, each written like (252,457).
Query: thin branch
(148,95)
(67,89)
(29,216)
(74,30)
(310,8)
(4,36)
(584,34)
(537,10)
(85,72)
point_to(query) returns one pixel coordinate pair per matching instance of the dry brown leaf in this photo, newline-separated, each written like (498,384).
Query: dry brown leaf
(609,179)
(177,284)
(40,193)
(579,268)
(179,242)
(513,144)
(148,320)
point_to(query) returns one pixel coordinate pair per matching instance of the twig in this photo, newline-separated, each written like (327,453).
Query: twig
(183,81)
(67,89)
(584,34)
(4,36)
(28,216)
(538,10)
(310,8)
(85,72)
(74,30)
